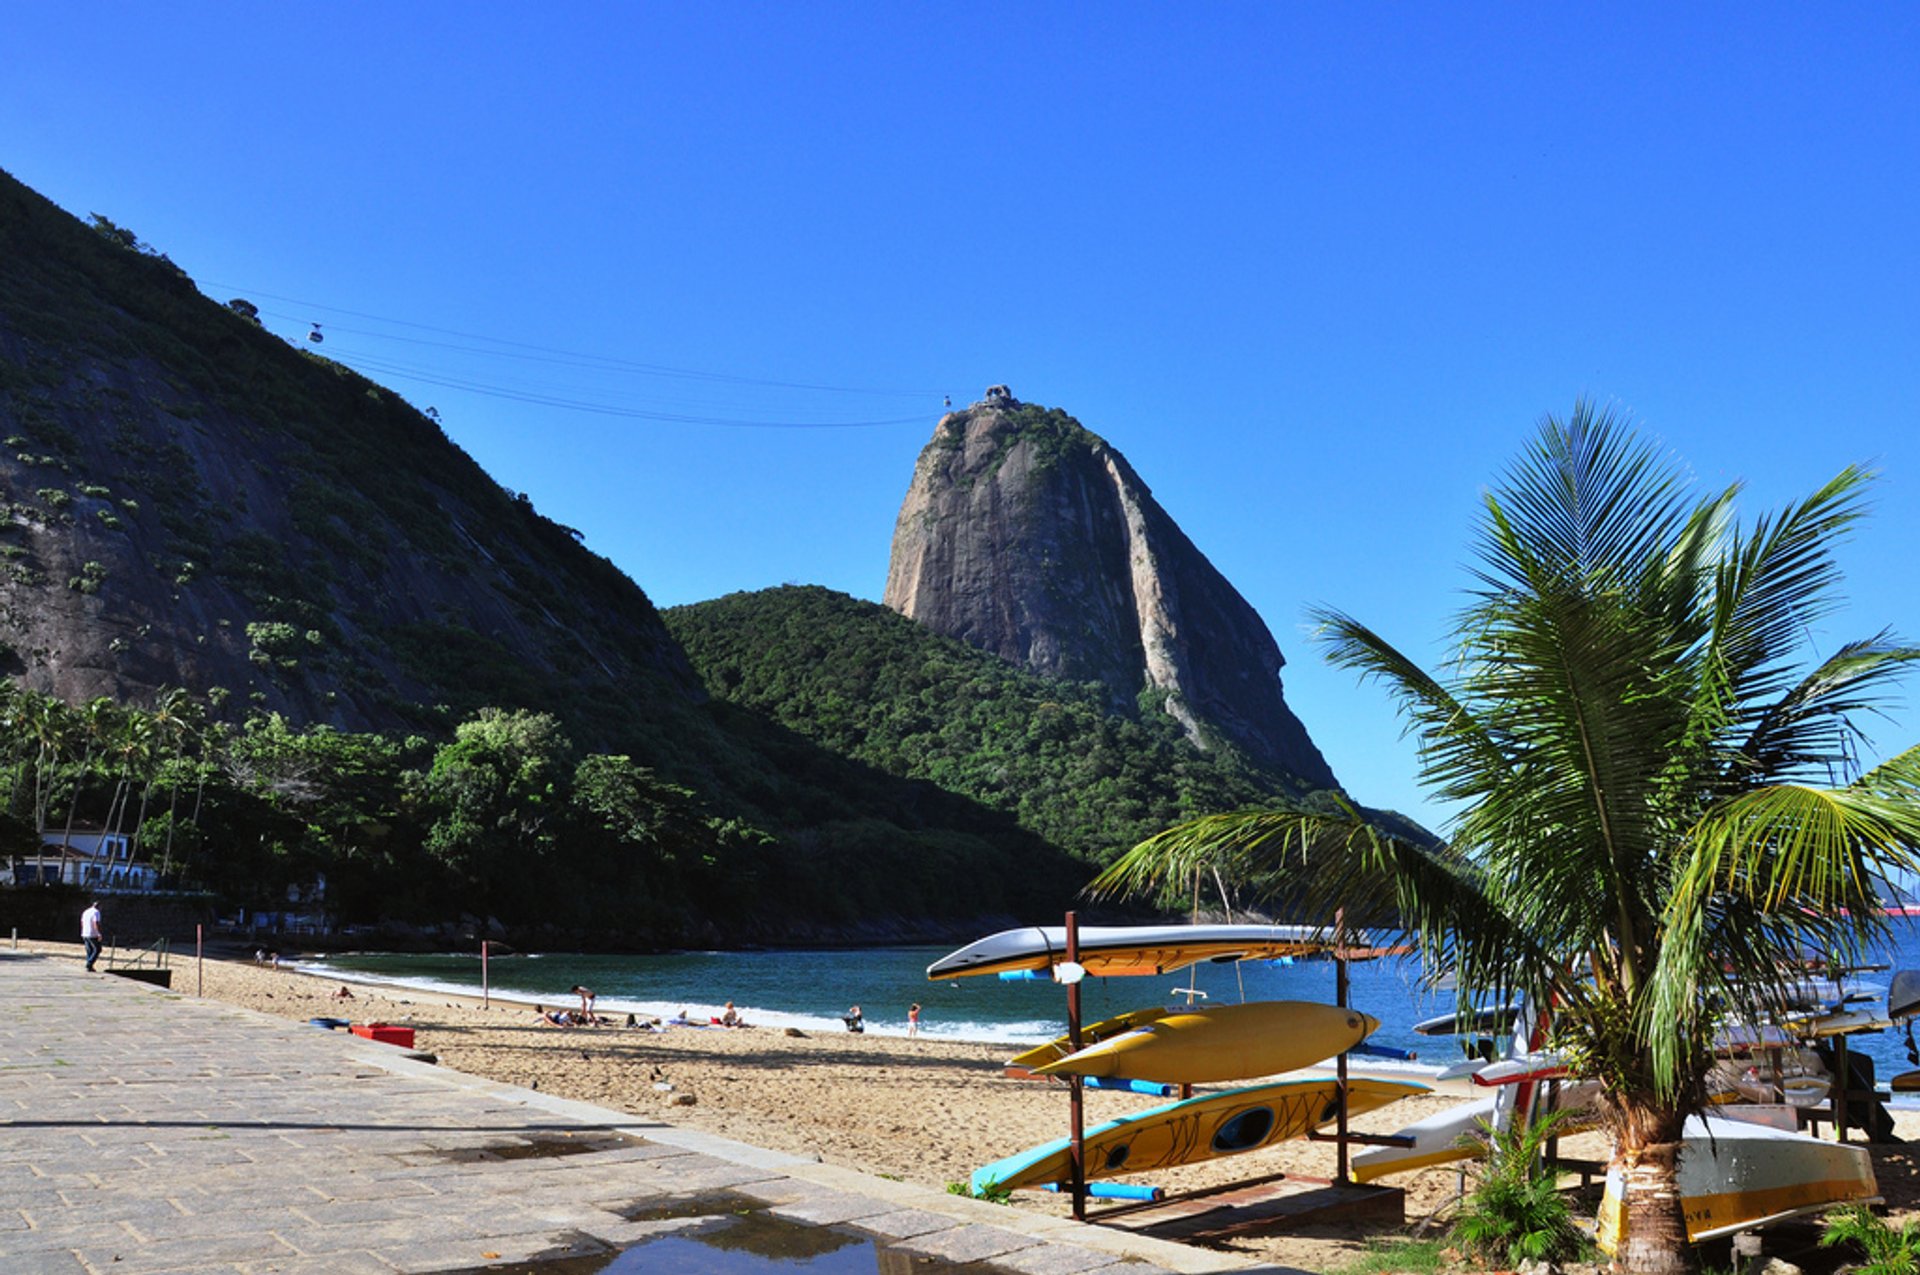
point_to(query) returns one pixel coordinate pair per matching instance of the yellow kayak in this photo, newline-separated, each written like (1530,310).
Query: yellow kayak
(1204,1128)
(1220,1043)
(1061,1046)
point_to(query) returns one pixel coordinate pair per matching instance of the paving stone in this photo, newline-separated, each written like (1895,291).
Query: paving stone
(332,1264)
(833,1209)
(189,1136)
(901,1224)
(966,1244)
(1063,1259)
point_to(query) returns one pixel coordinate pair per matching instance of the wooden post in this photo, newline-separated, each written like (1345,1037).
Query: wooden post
(1340,1064)
(1842,1087)
(1077,1147)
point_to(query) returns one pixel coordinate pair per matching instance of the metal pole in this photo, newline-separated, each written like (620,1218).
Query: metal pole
(1077,1148)
(486,997)
(1340,1064)
(200,960)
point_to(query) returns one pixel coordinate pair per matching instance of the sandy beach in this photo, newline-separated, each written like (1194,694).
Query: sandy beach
(925,1111)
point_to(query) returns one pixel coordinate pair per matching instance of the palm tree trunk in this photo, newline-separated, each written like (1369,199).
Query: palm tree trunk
(1647,1156)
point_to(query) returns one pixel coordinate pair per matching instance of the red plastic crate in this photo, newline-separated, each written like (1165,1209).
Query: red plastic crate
(385,1033)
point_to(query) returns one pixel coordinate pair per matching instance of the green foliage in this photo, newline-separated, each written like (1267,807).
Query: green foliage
(1888,1250)
(1515,1212)
(864,681)
(992,1192)
(92,576)
(1397,1257)
(1660,807)
(335,509)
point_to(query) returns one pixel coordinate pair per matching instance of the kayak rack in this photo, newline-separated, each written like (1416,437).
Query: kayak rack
(1341,1194)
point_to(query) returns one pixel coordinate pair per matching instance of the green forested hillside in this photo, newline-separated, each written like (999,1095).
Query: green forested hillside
(858,679)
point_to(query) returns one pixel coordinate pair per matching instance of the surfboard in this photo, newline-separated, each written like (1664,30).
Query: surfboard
(1209,1127)
(1485,1021)
(1221,1042)
(1520,1068)
(1735,1176)
(1113,950)
(1844,1023)
(1060,1046)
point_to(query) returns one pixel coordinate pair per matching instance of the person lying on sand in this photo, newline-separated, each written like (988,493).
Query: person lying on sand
(344,994)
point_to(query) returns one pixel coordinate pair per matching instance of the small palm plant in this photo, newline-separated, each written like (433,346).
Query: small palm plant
(1516,1213)
(1889,1250)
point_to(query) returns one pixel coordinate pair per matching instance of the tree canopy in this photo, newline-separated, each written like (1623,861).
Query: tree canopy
(1661,811)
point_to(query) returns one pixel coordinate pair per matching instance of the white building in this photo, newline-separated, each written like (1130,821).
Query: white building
(86,857)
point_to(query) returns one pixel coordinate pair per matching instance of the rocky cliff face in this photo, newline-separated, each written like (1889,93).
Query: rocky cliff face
(1028,536)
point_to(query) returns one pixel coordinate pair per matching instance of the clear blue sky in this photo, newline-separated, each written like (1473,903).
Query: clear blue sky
(1316,269)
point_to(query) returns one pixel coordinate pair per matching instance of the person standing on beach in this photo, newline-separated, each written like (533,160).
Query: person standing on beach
(90,932)
(913,1020)
(586,1003)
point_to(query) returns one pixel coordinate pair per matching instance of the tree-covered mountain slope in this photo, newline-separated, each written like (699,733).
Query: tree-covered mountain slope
(188,501)
(192,502)
(861,680)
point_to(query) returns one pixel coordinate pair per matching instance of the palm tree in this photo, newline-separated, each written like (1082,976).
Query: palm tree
(1657,804)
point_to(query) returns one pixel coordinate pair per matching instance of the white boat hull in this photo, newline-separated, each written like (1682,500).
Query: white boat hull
(1736,1176)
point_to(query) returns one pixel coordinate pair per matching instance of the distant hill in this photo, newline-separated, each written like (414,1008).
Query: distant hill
(190,501)
(860,680)
(1025,534)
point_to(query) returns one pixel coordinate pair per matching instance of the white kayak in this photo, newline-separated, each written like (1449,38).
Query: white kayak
(1458,1133)
(1135,949)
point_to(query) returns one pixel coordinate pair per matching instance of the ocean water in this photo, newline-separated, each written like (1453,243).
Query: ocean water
(810,989)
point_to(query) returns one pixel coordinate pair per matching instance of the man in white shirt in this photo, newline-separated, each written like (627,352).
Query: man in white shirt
(90,933)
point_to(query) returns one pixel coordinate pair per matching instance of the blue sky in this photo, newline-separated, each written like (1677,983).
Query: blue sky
(1317,270)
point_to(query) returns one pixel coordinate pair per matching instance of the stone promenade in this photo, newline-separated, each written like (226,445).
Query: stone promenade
(145,1131)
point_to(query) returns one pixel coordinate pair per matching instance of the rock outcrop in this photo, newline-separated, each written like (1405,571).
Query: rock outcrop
(1026,535)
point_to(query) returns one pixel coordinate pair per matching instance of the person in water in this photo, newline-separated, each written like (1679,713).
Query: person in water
(854,1019)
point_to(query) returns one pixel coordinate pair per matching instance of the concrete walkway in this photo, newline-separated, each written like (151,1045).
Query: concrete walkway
(144,1131)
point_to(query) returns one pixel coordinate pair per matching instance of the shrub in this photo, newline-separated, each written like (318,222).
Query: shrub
(1889,1251)
(1515,1213)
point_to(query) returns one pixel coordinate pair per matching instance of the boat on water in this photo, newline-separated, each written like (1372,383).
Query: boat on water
(1117,950)
(1220,1043)
(1209,1127)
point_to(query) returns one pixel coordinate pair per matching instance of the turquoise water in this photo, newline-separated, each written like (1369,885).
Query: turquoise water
(811,989)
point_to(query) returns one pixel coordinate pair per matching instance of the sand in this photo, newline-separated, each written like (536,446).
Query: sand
(923,1111)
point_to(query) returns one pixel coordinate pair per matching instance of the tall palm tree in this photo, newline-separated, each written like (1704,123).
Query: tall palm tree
(1658,804)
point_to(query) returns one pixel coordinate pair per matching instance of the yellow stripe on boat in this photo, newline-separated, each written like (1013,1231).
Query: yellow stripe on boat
(1736,1176)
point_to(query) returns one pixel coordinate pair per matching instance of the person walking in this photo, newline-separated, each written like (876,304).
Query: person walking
(90,932)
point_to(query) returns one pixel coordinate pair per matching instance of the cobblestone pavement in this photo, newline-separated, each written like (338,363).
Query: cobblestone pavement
(143,1131)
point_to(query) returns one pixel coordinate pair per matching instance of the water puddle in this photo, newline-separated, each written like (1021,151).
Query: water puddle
(742,1240)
